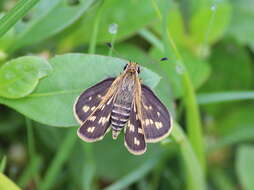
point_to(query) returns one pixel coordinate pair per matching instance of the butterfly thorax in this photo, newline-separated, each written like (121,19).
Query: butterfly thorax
(122,105)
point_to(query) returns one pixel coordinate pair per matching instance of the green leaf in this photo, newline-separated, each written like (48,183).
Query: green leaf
(48,18)
(236,61)
(114,11)
(235,126)
(7,184)
(209,23)
(242,23)
(72,74)
(19,77)
(245,167)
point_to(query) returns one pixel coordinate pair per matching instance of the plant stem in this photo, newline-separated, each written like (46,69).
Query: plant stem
(92,44)
(15,14)
(194,171)
(112,45)
(192,111)
(30,138)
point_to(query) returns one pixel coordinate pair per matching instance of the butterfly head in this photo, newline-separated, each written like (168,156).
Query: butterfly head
(132,67)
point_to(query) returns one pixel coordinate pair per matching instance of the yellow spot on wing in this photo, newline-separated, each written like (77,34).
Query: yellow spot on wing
(147,122)
(158,113)
(136,141)
(158,125)
(140,131)
(90,129)
(92,108)
(92,118)
(103,120)
(86,108)
(132,128)
(150,108)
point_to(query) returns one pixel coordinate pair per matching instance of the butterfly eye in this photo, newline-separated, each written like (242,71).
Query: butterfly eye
(125,66)
(138,70)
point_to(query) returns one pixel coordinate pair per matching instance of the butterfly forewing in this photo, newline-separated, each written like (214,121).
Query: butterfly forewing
(97,124)
(156,121)
(90,99)
(134,135)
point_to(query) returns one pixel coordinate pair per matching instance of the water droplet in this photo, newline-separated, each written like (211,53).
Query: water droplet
(213,8)
(179,68)
(112,29)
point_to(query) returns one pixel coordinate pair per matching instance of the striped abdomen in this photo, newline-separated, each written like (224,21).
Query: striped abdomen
(119,116)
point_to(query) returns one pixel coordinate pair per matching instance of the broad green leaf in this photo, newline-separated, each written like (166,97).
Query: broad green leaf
(198,69)
(19,77)
(235,126)
(231,69)
(245,166)
(7,184)
(114,11)
(72,74)
(242,23)
(209,23)
(48,18)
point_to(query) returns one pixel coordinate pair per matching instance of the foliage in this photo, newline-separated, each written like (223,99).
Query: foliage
(51,51)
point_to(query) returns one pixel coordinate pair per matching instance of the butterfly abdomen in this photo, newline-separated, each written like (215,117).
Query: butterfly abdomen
(120,115)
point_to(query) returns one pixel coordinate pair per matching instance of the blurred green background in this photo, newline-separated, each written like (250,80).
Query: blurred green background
(47,58)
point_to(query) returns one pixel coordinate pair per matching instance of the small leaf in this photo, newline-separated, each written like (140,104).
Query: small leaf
(209,23)
(54,97)
(232,58)
(242,22)
(7,184)
(245,167)
(19,77)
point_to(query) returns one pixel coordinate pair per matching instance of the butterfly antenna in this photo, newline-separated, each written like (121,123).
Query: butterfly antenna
(110,46)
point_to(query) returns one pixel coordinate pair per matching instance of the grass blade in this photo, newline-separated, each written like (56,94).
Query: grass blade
(135,175)
(15,14)
(191,162)
(58,161)
(218,97)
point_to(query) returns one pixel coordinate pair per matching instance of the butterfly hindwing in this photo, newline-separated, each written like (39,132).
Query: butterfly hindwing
(156,121)
(134,135)
(97,124)
(90,99)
